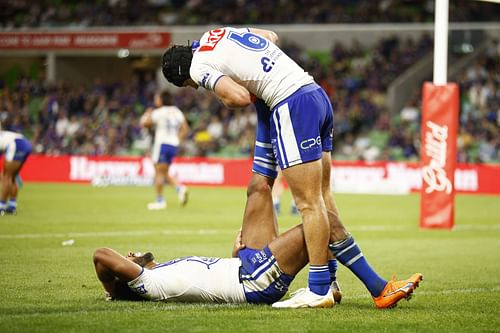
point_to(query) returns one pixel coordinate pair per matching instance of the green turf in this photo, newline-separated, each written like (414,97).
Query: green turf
(47,287)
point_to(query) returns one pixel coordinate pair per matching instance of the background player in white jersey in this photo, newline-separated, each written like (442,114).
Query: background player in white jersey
(295,131)
(16,149)
(170,128)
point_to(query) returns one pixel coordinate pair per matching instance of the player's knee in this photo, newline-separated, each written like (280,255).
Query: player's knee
(258,185)
(307,206)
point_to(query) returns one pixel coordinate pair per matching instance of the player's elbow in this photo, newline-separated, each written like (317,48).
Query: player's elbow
(239,100)
(145,121)
(101,254)
(273,37)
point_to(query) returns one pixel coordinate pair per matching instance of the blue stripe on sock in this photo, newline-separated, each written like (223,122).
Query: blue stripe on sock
(332,267)
(349,255)
(319,279)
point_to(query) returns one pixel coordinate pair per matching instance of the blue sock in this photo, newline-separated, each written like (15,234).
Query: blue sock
(332,267)
(319,279)
(12,203)
(349,255)
(160,198)
(3,204)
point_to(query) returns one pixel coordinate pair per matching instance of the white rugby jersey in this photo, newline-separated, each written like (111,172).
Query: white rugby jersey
(192,279)
(7,137)
(250,60)
(167,120)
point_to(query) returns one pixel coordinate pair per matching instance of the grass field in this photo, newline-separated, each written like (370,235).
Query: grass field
(47,287)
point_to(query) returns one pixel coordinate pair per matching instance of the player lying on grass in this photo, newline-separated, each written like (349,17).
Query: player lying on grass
(251,276)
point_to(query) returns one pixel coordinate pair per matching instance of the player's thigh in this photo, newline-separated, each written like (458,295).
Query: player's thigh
(161,169)
(326,165)
(304,181)
(11,168)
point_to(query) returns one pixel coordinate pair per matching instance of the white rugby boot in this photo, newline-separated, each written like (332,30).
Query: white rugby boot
(157,205)
(183,195)
(304,298)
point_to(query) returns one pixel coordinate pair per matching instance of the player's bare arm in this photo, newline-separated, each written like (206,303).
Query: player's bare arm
(271,35)
(146,119)
(231,93)
(183,130)
(238,245)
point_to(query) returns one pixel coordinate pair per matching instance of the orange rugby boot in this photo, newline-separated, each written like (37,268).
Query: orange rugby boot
(394,291)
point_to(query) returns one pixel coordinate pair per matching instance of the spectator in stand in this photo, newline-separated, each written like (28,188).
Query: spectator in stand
(80,13)
(351,76)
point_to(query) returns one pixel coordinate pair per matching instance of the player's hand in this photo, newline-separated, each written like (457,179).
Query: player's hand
(238,244)
(253,98)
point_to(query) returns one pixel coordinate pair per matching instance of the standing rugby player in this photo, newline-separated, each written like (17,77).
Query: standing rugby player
(16,149)
(295,131)
(170,128)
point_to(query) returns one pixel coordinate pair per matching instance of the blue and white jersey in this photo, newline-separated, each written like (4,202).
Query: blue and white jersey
(167,121)
(8,138)
(192,279)
(250,60)
(14,146)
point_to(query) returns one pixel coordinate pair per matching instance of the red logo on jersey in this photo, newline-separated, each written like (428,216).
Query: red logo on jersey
(214,36)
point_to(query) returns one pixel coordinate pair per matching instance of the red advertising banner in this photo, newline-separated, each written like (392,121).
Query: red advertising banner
(83,40)
(438,155)
(103,171)
(347,176)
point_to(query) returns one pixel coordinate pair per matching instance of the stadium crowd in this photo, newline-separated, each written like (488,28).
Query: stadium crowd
(103,118)
(81,13)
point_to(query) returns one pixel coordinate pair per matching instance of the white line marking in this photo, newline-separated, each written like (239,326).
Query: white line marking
(135,233)
(118,233)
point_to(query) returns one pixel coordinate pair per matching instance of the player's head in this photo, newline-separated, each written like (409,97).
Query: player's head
(163,98)
(141,259)
(175,64)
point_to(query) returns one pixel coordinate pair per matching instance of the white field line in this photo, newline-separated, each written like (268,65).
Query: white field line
(136,233)
(118,233)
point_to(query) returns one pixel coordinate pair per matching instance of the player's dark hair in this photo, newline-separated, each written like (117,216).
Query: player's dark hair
(166,98)
(144,259)
(175,64)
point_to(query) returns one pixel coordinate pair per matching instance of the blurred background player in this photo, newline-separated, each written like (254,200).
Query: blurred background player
(277,192)
(16,149)
(170,127)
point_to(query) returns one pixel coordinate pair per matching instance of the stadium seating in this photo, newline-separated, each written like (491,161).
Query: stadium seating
(102,118)
(81,13)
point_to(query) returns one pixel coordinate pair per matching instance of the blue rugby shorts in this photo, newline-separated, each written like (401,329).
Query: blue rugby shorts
(164,153)
(262,279)
(297,130)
